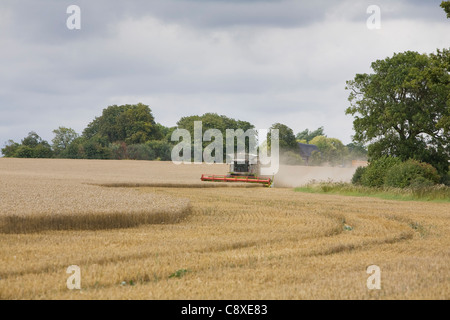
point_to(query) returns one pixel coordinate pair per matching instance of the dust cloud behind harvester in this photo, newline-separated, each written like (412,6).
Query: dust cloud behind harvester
(296,176)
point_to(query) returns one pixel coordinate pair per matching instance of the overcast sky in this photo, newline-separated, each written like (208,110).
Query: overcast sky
(263,61)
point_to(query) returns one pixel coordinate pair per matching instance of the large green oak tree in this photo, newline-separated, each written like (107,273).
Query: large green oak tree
(402,108)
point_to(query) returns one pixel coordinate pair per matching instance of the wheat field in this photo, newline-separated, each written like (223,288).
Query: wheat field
(153,230)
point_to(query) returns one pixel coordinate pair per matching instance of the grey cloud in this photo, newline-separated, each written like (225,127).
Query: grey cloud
(418,10)
(44,21)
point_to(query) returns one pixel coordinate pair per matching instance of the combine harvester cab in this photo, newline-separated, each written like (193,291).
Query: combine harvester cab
(244,168)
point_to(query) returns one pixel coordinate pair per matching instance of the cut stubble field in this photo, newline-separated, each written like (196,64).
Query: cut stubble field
(153,230)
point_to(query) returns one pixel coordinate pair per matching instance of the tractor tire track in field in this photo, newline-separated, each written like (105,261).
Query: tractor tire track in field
(237,245)
(248,215)
(234,243)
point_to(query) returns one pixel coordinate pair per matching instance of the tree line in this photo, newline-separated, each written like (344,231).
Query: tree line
(130,132)
(121,132)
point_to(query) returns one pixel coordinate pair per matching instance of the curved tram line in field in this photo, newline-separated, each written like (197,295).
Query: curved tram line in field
(293,231)
(230,241)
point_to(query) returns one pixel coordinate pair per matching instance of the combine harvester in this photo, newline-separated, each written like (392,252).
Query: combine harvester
(244,168)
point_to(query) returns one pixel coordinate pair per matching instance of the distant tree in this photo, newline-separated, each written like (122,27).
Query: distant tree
(33,146)
(164,132)
(161,148)
(132,124)
(93,128)
(63,138)
(32,140)
(24,151)
(42,150)
(214,121)
(138,124)
(306,136)
(291,158)
(95,148)
(287,140)
(10,149)
(141,151)
(446,6)
(331,151)
(75,149)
